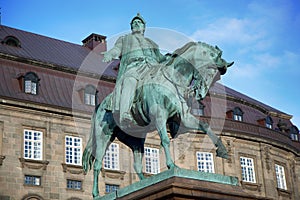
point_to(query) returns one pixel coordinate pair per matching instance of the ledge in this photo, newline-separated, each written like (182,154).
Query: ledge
(73,169)
(34,164)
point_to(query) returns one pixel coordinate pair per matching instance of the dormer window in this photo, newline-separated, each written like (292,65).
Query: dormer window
(238,114)
(11,41)
(269,122)
(294,133)
(90,95)
(31,81)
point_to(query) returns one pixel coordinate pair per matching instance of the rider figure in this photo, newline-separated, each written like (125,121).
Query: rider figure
(137,54)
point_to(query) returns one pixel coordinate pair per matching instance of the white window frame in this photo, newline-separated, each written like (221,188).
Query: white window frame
(280,177)
(152,165)
(73,150)
(89,99)
(237,117)
(111,158)
(248,170)
(33,144)
(205,162)
(30,180)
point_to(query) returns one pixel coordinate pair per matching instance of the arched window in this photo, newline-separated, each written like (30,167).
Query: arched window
(31,81)
(11,41)
(269,122)
(238,114)
(32,197)
(90,95)
(294,133)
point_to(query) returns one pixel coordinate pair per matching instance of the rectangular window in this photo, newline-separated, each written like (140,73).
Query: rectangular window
(280,177)
(237,117)
(248,172)
(111,158)
(205,162)
(152,160)
(33,144)
(32,180)
(89,99)
(74,184)
(73,150)
(30,87)
(111,188)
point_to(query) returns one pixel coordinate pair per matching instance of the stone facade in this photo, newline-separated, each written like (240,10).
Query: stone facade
(248,138)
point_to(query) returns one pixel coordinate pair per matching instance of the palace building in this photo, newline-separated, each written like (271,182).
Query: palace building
(48,91)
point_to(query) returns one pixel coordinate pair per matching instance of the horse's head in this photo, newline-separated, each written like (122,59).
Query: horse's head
(207,64)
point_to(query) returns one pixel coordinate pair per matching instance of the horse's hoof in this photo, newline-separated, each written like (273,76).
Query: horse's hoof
(222,153)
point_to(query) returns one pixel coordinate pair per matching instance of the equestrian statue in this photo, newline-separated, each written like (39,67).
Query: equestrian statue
(151,93)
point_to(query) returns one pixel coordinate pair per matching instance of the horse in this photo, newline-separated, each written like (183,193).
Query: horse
(160,103)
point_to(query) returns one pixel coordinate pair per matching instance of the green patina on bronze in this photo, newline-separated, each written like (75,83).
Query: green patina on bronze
(151,93)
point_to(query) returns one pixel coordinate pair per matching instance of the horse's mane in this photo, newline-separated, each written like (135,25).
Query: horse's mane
(181,50)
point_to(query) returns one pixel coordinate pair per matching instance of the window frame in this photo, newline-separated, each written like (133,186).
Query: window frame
(247,178)
(151,160)
(238,114)
(90,95)
(281,182)
(111,159)
(269,122)
(208,165)
(32,148)
(31,83)
(73,185)
(73,147)
(34,178)
(112,188)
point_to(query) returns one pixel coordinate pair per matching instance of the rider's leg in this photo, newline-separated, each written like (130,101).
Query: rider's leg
(126,98)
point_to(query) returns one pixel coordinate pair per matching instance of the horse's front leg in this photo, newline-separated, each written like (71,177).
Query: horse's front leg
(138,166)
(97,168)
(165,141)
(190,122)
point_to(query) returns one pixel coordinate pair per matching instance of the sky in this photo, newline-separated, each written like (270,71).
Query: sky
(261,37)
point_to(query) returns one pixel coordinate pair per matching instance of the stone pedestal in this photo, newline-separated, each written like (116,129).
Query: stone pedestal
(181,184)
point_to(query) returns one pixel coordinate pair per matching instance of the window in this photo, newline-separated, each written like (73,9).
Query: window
(90,95)
(32,180)
(248,172)
(280,177)
(205,162)
(33,144)
(31,83)
(238,114)
(74,184)
(111,158)
(73,150)
(11,41)
(269,122)
(294,133)
(111,188)
(152,160)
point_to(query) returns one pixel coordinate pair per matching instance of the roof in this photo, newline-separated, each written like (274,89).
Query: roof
(53,52)
(57,87)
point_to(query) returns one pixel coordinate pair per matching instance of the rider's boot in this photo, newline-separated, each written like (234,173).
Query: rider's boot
(128,89)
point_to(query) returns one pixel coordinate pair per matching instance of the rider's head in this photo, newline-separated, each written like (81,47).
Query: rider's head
(138,24)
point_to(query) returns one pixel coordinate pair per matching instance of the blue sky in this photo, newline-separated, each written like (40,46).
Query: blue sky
(262,37)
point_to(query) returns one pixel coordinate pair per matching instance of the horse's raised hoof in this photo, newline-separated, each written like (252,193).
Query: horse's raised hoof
(222,152)
(172,166)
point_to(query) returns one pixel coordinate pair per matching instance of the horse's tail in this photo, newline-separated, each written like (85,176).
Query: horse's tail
(88,156)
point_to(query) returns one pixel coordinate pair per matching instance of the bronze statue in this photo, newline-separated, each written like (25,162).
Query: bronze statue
(159,102)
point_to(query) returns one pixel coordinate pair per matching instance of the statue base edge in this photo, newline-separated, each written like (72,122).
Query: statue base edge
(182,183)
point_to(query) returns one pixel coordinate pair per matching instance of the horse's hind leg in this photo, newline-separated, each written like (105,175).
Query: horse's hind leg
(102,143)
